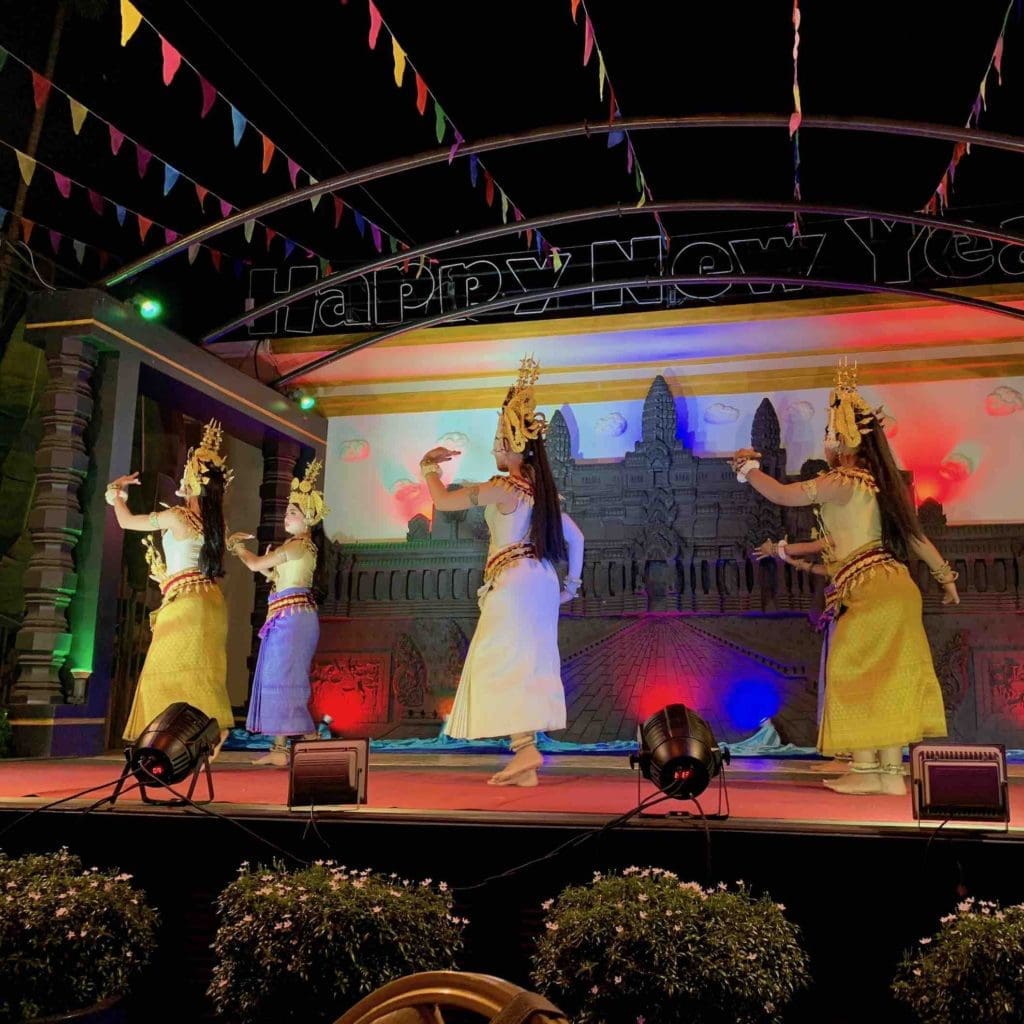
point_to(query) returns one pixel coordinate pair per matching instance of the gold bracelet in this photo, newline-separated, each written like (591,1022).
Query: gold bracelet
(427,468)
(944,574)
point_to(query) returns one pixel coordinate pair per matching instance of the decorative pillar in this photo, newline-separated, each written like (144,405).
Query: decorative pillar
(55,522)
(280,456)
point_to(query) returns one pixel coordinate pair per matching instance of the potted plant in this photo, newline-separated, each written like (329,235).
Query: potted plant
(972,969)
(72,941)
(306,945)
(642,946)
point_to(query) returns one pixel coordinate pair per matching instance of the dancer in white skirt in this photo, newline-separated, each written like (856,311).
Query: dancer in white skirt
(511,683)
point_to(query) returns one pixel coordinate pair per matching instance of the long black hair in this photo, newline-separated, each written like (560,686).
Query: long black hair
(211,511)
(900,524)
(319,539)
(546,533)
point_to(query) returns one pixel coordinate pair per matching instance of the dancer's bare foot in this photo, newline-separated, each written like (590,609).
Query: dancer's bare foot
(857,784)
(274,758)
(220,743)
(524,761)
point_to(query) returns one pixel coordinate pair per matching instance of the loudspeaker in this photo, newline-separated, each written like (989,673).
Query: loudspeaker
(328,773)
(959,782)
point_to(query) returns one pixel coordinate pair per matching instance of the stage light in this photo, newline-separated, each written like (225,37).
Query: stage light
(959,782)
(149,309)
(328,773)
(678,752)
(176,744)
(306,402)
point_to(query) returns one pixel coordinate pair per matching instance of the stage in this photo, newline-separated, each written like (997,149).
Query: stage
(850,870)
(764,793)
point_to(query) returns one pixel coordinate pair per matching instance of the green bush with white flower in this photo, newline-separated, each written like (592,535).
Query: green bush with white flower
(972,969)
(69,938)
(645,947)
(306,945)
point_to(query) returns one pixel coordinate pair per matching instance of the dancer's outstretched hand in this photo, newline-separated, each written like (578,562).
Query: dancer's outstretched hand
(742,456)
(123,481)
(950,595)
(765,550)
(237,538)
(437,455)
(565,597)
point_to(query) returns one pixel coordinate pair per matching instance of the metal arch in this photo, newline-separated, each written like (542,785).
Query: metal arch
(916,129)
(648,282)
(598,213)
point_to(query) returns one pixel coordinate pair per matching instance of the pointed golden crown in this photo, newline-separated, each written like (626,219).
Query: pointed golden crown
(202,459)
(520,421)
(304,494)
(849,416)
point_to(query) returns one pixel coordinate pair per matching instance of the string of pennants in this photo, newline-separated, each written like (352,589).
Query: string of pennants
(591,47)
(939,200)
(65,184)
(57,238)
(43,87)
(445,128)
(172,63)
(797,116)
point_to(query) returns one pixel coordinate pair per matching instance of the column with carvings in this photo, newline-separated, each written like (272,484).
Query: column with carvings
(279,460)
(55,521)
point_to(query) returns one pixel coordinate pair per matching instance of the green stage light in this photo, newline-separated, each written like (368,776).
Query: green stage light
(306,402)
(150,309)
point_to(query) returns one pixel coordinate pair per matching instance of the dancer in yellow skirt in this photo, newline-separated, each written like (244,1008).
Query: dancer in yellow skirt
(187,657)
(881,691)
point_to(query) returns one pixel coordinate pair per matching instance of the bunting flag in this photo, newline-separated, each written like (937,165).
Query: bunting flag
(193,252)
(375,23)
(215,258)
(144,225)
(421,94)
(293,171)
(142,159)
(79,248)
(360,222)
(247,228)
(116,139)
(3,212)
(63,183)
(489,188)
(40,89)
(375,234)
(270,235)
(171,176)
(209,96)
(588,39)
(225,209)
(27,227)
(78,114)
(268,153)
(474,167)
(797,116)
(171,61)
(121,213)
(238,124)
(339,208)
(26,165)
(201,194)
(289,248)
(3,58)
(440,122)
(170,236)
(315,201)
(131,18)
(399,56)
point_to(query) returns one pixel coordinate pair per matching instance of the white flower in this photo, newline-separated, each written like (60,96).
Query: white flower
(917,972)
(61,912)
(443,886)
(551,926)
(925,941)
(619,929)
(781,907)
(594,990)
(547,904)
(643,915)
(643,897)
(377,910)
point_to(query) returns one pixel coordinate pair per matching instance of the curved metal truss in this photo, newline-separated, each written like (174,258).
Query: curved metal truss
(599,213)
(649,282)
(914,129)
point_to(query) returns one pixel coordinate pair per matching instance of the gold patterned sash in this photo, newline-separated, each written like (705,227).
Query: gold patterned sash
(861,566)
(179,582)
(501,560)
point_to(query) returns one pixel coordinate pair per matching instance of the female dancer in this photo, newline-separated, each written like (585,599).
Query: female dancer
(187,656)
(881,691)
(279,704)
(511,682)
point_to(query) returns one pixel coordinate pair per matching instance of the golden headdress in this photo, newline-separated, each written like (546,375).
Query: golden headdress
(520,423)
(849,416)
(309,500)
(201,460)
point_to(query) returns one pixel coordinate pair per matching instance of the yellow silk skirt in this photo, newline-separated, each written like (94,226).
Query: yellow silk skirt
(187,659)
(880,684)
